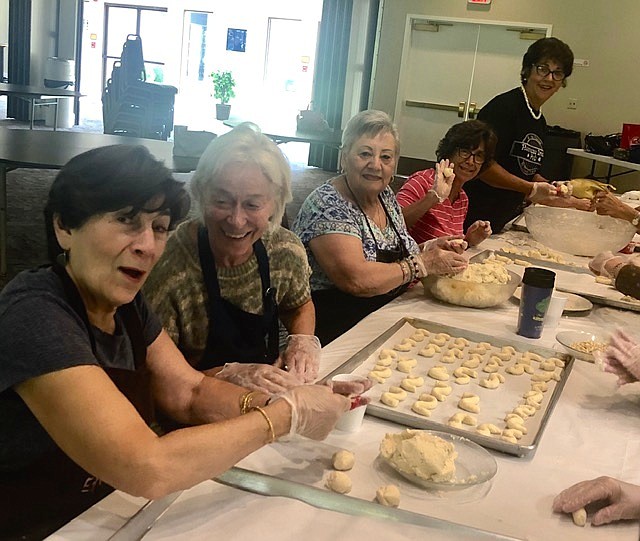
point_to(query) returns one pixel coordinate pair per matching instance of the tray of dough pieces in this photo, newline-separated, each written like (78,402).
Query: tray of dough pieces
(495,392)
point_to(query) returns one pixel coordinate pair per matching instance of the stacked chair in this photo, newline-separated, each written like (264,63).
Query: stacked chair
(130,105)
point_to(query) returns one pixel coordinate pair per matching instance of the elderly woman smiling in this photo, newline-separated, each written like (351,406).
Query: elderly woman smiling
(360,251)
(229,276)
(84,363)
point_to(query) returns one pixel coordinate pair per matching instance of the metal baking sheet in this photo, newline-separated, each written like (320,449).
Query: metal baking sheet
(545,262)
(497,403)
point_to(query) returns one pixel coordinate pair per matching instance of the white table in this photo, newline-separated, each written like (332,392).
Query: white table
(594,430)
(629,167)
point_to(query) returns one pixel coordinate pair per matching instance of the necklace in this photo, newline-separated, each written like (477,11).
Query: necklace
(526,100)
(376,217)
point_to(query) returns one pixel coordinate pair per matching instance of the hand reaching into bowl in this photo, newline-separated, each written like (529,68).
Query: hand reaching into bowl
(621,357)
(443,256)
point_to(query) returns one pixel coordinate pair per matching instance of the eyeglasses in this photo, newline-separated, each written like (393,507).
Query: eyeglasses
(465,154)
(543,70)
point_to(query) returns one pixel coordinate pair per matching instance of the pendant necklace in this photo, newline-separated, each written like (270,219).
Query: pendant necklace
(526,100)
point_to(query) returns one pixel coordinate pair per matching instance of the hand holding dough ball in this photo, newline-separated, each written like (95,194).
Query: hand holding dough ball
(388,495)
(343,460)
(339,482)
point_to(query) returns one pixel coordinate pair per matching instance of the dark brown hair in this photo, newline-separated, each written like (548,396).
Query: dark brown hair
(468,135)
(547,49)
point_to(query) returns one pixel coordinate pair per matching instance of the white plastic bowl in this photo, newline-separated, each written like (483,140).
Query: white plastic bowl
(577,232)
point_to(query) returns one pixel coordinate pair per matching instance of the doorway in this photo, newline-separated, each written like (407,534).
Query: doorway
(449,69)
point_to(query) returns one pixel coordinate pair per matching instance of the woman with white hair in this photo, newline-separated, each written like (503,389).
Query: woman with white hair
(229,276)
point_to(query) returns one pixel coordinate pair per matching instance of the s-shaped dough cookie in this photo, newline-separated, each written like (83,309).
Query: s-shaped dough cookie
(405,345)
(469,402)
(493,381)
(524,410)
(488,429)
(459,420)
(464,371)
(406,365)
(491,367)
(461,342)
(339,482)
(421,408)
(429,351)
(438,372)
(388,353)
(440,339)
(473,362)
(412,383)
(441,390)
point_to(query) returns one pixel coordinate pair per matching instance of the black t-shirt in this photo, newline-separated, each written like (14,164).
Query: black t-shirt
(520,150)
(41,333)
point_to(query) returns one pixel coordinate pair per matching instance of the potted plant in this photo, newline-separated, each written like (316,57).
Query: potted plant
(223,84)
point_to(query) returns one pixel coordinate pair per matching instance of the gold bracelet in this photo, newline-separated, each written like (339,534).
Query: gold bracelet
(272,434)
(245,401)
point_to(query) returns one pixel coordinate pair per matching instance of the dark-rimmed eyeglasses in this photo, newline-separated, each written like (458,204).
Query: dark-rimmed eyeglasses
(478,156)
(543,70)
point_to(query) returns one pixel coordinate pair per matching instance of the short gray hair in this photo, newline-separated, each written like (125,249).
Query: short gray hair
(245,144)
(369,122)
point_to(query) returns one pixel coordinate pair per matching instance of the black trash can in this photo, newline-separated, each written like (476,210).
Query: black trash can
(557,164)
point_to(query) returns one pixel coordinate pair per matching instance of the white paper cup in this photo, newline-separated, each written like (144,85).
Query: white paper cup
(554,312)
(351,420)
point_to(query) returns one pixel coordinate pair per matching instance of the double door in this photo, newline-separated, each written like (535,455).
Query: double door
(450,68)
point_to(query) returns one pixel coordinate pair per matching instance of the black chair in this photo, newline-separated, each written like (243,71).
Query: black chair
(130,105)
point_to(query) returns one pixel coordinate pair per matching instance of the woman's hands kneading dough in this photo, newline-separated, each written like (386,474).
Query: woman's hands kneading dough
(442,256)
(315,409)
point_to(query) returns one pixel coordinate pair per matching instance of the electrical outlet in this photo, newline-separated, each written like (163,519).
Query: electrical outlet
(573,103)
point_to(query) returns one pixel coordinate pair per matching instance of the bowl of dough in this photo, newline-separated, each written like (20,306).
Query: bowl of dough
(481,285)
(577,232)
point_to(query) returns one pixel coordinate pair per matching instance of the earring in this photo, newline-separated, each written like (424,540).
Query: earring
(63,258)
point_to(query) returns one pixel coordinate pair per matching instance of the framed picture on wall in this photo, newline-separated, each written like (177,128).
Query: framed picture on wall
(236,39)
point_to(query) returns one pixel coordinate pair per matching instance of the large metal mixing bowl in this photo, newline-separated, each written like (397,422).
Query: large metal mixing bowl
(471,294)
(577,232)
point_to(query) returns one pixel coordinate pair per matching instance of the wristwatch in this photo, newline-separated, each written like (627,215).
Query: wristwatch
(636,220)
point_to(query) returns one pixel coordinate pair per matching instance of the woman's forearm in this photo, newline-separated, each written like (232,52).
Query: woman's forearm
(301,320)
(413,212)
(498,177)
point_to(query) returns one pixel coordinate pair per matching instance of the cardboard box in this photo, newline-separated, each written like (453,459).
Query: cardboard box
(630,135)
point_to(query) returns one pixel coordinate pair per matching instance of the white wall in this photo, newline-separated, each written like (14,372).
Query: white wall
(602,31)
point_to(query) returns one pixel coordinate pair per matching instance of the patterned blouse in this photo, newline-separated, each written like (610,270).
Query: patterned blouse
(325,211)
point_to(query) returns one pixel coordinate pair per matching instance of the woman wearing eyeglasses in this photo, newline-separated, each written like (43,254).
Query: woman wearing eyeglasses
(512,179)
(434,203)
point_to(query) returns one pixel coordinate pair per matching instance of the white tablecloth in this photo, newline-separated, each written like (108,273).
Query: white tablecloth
(594,430)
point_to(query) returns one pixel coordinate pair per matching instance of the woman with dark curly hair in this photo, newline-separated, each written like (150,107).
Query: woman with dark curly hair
(512,180)
(433,202)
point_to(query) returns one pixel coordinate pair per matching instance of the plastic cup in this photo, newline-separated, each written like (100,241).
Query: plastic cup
(554,312)
(351,420)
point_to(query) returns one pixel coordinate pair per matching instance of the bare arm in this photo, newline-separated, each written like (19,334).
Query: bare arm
(498,177)
(413,212)
(301,320)
(108,438)
(341,257)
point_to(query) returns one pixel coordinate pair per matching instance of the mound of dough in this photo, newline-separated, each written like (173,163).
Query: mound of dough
(388,495)
(421,454)
(339,482)
(343,460)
